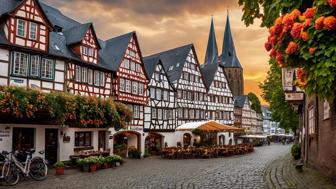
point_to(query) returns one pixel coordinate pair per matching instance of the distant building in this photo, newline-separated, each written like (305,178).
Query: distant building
(270,127)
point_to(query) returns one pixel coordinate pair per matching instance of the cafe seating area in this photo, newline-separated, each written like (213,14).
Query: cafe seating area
(205,151)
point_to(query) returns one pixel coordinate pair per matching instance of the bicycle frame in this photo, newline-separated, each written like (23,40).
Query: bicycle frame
(24,169)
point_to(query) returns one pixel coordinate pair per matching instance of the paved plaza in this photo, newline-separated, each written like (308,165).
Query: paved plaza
(243,171)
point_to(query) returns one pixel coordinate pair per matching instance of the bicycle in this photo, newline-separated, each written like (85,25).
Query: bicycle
(35,167)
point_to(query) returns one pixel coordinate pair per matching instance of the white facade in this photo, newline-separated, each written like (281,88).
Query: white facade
(220,100)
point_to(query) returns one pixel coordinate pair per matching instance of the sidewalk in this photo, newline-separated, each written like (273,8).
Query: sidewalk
(282,174)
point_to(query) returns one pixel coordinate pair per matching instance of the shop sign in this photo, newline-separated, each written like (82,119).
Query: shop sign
(288,78)
(295,96)
(4,133)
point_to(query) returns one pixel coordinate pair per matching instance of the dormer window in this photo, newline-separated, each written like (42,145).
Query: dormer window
(21,28)
(84,50)
(33,31)
(91,52)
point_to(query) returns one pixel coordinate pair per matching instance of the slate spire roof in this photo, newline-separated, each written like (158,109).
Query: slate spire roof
(211,55)
(229,56)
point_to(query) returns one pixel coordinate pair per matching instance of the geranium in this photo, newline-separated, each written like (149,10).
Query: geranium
(305,36)
(312,50)
(310,12)
(295,13)
(268,46)
(273,53)
(278,29)
(278,20)
(319,23)
(332,3)
(329,23)
(292,48)
(288,20)
(306,23)
(296,30)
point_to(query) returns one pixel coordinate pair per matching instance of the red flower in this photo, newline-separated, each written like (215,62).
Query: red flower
(299,73)
(310,12)
(305,36)
(295,13)
(268,46)
(273,53)
(278,20)
(272,30)
(277,29)
(279,56)
(292,48)
(272,40)
(319,23)
(312,51)
(329,23)
(306,23)
(296,30)
(288,20)
(332,3)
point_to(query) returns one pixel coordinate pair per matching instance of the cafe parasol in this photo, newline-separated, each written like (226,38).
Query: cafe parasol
(208,126)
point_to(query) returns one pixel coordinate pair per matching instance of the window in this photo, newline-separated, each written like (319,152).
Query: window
(84,75)
(185,113)
(179,94)
(158,94)
(138,68)
(89,76)
(132,54)
(311,121)
(152,93)
(191,114)
(34,66)
(134,87)
(20,64)
(21,28)
(126,63)
(33,31)
(164,114)
(157,77)
(91,52)
(82,139)
(128,86)
(84,50)
(154,113)
(122,84)
(165,95)
(159,113)
(197,114)
(169,114)
(132,66)
(78,74)
(141,89)
(102,78)
(196,96)
(136,111)
(96,78)
(184,94)
(47,68)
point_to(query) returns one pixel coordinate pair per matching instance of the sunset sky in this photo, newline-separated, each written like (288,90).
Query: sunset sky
(166,24)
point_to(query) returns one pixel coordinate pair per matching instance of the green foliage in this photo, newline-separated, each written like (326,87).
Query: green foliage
(59,164)
(63,107)
(134,153)
(273,94)
(296,151)
(255,102)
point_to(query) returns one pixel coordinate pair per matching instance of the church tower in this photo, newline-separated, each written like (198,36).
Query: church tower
(229,60)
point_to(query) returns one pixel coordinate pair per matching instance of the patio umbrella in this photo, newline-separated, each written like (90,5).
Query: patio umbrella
(208,126)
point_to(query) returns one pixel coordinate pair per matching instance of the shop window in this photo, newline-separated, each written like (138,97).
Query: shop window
(23,139)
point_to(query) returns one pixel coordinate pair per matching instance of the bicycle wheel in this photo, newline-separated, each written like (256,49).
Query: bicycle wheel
(11,175)
(38,169)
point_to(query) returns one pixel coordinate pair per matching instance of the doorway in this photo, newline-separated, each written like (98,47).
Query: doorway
(51,145)
(102,140)
(153,144)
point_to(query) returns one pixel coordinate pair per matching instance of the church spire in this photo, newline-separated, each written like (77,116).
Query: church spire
(229,55)
(212,49)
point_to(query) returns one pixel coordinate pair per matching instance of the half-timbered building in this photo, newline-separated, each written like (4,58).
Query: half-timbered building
(160,112)
(220,101)
(41,48)
(184,73)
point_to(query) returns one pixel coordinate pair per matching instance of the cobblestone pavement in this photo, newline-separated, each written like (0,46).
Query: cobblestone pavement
(281,173)
(243,171)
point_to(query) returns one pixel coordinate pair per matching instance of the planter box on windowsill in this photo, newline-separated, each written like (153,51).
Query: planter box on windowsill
(79,148)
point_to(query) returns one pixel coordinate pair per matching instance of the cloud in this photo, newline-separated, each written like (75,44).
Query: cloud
(166,24)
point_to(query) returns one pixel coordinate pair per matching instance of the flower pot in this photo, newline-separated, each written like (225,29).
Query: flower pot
(93,167)
(85,168)
(59,170)
(117,164)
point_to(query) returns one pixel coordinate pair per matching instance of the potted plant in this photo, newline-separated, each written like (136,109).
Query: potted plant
(59,167)
(84,164)
(93,161)
(110,161)
(118,160)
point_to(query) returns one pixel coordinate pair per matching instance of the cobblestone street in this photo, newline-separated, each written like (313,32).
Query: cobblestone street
(245,171)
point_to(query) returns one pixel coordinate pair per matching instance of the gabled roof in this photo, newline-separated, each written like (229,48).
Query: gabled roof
(209,71)
(240,101)
(175,59)
(229,56)
(113,50)
(211,55)
(77,33)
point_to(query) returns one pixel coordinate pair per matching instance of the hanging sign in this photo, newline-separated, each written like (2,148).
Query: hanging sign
(294,96)
(288,78)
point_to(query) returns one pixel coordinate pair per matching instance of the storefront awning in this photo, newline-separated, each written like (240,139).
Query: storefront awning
(208,126)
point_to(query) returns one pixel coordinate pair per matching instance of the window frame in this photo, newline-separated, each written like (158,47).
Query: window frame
(84,75)
(134,87)
(78,73)
(24,65)
(84,50)
(128,88)
(37,66)
(96,78)
(51,68)
(85,134)
(24,22)
(122,84)
(30,30)
(89,76)
(136,111)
